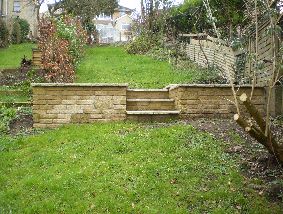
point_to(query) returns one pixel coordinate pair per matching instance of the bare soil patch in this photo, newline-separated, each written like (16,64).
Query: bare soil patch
(12,77)
(255,161)
(22,124)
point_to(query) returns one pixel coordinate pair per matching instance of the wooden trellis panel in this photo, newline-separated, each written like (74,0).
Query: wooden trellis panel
(207,52)
(265,55)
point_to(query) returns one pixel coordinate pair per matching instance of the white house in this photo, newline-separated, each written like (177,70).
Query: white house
(116,27)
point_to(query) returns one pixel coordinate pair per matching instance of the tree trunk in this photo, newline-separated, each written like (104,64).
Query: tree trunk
(267,140)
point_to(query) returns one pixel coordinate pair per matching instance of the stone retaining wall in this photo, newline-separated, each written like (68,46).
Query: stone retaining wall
(210,100)
(57,104)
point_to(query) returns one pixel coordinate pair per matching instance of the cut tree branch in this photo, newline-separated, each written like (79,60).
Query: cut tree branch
(253,111)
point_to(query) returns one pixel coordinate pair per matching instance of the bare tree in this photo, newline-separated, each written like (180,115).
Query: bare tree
(260,129)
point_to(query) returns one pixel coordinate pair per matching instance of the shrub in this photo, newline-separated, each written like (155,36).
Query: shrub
(62,44)
(142,44)
(71,30)
(4,34)
(6,116)
(25,28)
(16,32)
(159,53)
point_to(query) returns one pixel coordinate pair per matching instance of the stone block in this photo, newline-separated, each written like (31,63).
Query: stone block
(36,117)
(39,126)
(189,102)
(191,111)
(39,102)
(38,91)
(96,116)
(63,116)
(45,121)
(48,116)
(40,112)
(84,102)
(119,107)
(61,121)
(54,102)
(85,93)
(69,102)
(88,110)
(209,102)
(210,107)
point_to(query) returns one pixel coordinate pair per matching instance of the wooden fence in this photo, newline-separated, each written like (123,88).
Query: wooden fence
(206,51)
(264,55)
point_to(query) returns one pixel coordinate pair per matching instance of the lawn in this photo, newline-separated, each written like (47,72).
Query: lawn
(115,65)
(11,57)
(111,65)
(123,168)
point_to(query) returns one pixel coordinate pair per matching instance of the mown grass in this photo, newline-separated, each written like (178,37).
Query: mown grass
(11,57)
(114,65)
(123,168)
(111,65)
(14,98)
(17,96)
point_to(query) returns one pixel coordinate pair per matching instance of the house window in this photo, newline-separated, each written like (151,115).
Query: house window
(17,5)
(126,27)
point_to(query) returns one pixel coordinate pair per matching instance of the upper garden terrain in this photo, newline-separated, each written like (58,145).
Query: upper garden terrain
(194,162)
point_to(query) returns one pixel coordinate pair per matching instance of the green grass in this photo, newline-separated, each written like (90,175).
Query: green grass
(11,57)
(123,168)
(19,96)
(14,98)
(114,65)
(111,65)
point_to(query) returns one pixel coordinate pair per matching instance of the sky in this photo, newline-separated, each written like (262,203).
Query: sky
(133,4)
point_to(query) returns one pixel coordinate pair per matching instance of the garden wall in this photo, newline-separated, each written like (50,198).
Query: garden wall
(57,104)
(210,100)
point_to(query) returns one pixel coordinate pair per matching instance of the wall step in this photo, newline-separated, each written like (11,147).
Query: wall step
(152,116)
(147,94)
(150,104)
(153,112)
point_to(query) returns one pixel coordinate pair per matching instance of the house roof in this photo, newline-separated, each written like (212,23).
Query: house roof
(123,17)
(123,9)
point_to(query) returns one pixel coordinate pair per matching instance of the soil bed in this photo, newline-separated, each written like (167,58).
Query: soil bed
(12,77)
(22,124)
(255,161)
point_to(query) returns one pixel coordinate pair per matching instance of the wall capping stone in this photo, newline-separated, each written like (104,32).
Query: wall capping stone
(174,86)
(79,84)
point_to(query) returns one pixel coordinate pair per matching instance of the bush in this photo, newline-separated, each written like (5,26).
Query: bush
(4,34)
(142,44)
(62,44)
(16,32)
(71,30)
(25,28)
(20,31)
(6,116)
